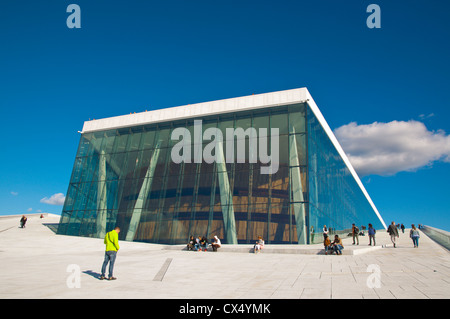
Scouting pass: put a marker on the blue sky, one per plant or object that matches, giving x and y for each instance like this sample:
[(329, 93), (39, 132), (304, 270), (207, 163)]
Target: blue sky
[(132, 56)]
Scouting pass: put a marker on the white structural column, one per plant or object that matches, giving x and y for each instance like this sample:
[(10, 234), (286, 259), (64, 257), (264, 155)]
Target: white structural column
[(143, 193), (226, 197), (101, 196), (297, 190)]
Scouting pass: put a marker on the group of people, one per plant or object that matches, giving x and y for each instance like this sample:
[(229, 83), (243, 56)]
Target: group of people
[(333, 247), (413, 234), (201, 243), (24, 219), (356, 233), (393, 230)]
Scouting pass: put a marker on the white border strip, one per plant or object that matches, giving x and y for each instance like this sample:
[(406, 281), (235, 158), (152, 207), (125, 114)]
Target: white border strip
[(200, 109)]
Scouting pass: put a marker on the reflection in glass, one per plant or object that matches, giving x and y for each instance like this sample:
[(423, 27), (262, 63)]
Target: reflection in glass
[(126, 177)]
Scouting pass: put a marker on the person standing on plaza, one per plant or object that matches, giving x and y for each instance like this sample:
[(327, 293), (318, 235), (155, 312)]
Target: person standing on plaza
[(371, 231), (355, 233), (325, 231), (393, 232), (112, 247), (414, 235), (403, 228)]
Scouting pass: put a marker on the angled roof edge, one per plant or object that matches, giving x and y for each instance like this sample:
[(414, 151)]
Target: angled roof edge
[(199, 109), (314, 108)]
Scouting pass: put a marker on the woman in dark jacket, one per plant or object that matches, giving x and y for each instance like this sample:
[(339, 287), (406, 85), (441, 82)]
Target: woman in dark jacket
[(204, 243), (23, 221)]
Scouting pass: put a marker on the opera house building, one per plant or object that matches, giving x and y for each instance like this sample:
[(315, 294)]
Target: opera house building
[(261, 165)]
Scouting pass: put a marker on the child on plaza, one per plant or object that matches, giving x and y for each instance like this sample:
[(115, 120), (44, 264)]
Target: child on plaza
[(327, 244), (258, 245)]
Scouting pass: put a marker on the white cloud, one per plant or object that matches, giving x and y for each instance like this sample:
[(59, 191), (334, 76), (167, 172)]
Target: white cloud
[(14, 193), (29, 209), (388, 148), (56, 199)]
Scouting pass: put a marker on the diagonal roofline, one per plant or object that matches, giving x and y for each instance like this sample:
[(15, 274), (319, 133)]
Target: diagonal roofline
[(341, 152)]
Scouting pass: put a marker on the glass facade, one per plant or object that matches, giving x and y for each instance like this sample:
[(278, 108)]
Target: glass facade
[(128, 177), (335, 199)]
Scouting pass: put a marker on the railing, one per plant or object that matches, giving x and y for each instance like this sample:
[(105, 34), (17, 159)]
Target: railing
[(440, 236)]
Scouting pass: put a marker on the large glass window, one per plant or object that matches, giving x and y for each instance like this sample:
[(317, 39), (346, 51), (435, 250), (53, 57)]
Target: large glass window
[(127, 177), (335, 199)]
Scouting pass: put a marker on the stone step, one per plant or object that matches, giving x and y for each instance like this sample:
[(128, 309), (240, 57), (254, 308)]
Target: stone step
[(283, 249)]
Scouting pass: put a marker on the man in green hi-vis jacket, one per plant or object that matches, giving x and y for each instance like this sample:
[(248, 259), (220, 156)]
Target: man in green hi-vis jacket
[(112, 246)]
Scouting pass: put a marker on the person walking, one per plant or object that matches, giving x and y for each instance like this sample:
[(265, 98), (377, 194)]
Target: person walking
[(414, 235), (112, 247), (355, 233), (23, 221), (402, 228), (393, 232), (371, 231)]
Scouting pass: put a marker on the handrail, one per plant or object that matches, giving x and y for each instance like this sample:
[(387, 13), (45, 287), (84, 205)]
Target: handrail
[(440, 236)]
